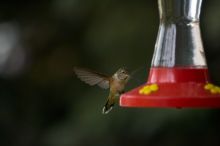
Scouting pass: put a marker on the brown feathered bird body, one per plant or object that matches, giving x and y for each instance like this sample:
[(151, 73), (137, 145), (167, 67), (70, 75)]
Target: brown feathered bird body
[(116, 83)]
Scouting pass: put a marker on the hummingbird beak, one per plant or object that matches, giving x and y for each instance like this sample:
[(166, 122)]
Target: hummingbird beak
[(126, 77)]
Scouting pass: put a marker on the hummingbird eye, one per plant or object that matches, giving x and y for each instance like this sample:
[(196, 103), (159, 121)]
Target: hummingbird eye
[(123, 71)]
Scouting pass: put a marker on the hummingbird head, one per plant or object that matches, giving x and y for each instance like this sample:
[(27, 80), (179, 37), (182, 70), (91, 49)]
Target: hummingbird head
[(122, 74)]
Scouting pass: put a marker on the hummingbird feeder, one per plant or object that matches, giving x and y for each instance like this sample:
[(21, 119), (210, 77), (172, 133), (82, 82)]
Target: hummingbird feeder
[(178, 75)]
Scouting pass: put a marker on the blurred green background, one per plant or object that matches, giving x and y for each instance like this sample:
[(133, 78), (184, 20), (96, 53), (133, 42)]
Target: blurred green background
[(42, 103)]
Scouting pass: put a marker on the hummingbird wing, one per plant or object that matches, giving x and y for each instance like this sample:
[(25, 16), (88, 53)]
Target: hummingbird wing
[(92, 78)]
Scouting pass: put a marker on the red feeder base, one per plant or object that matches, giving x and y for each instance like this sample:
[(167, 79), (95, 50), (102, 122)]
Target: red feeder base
[(174, 87)]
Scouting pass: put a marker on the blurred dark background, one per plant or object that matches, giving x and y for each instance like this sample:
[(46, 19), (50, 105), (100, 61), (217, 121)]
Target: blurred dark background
[(43, 104)]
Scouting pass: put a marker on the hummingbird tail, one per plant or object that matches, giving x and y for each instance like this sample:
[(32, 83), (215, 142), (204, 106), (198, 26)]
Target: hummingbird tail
[(108, 107)]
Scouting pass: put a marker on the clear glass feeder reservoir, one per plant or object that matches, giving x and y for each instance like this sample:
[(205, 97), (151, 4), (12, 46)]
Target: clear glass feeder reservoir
[(178, 76)]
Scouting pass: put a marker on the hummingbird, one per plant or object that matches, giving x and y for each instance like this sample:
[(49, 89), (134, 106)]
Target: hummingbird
[(115, 83)]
